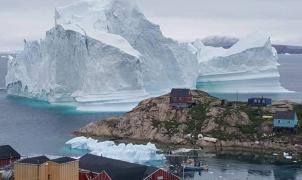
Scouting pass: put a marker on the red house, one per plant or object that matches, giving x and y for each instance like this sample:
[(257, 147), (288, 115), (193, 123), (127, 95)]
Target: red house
[(100, 168), (8, 155), (181, 98)]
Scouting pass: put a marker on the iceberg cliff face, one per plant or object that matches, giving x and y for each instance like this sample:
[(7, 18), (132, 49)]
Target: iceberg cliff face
[(249, 66), (68, 64), (164, 61), (99, 49), (105, 53)]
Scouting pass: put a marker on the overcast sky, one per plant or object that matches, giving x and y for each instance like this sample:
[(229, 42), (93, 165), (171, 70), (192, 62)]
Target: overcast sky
[(184, 20)]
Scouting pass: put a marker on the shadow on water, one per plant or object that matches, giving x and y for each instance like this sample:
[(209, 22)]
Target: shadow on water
[(289, 172)]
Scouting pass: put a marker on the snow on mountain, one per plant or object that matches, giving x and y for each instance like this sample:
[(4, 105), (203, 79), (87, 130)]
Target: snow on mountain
[(100, 48), (249, 66)]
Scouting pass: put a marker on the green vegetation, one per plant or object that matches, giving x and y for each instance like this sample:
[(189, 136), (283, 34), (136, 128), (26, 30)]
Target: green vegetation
[(255, 116), (171, 126), (197, 116), (221, 135), (248, 129)]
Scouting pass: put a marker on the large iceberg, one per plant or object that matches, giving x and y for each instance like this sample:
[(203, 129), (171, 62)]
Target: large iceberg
[(104, 55), (126, 152), (99, 49), (249, 66)]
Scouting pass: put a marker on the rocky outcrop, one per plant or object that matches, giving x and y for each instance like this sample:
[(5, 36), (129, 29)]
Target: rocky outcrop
[(236, 125)]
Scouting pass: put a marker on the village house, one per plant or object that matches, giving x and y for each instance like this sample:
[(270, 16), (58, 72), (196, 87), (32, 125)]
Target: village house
[(35, 168), (94, 167), (181, 98), (64, 168), (8, 155), (285, 121), (259, 102), (42, 168)]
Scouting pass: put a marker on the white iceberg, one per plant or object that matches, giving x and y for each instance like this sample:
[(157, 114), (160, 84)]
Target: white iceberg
[(99, 49), (249, 66), (104, 55), (126, 152)]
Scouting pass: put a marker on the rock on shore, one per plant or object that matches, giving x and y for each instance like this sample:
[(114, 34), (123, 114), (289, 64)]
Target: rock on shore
[(233, 124)]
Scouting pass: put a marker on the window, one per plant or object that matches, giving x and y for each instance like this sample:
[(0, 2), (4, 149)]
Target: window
[(160, 177), (288, 121)]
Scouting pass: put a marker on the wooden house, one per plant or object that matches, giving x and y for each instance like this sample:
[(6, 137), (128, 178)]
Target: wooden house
[(259, 102), (64, 168), (41, 168), (181, 98), (100, 168), (35, 168), (285, 120), (8, 155)]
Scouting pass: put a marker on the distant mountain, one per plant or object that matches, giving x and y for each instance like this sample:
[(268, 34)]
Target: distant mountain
[(227, 42), (283, 49)]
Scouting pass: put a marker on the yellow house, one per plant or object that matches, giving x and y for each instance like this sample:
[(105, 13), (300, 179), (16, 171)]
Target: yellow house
[(35, 168), (41, 168), (64, 168)]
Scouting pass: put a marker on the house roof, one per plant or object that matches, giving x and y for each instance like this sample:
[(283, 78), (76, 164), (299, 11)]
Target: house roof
[(116, 169), (289, 115), (7, 152), (63, 160), (180, 92), (35, 160)]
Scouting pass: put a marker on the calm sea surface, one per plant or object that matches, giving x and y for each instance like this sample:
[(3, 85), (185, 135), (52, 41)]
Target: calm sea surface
[(34, 128)]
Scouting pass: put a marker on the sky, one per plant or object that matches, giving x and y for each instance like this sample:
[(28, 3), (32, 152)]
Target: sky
[(183, 20)]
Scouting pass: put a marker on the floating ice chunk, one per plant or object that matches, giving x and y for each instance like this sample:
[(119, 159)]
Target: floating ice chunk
[(181, 150), (126, 152)]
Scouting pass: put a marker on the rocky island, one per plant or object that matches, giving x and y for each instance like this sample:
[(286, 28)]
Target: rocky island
[(226, 124)]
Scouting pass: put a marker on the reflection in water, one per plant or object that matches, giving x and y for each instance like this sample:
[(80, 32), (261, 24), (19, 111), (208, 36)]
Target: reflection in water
[(235, 167), (288, 172), (260, 172)]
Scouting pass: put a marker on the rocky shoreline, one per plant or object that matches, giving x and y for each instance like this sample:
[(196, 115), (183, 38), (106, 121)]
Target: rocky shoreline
[(233, 124)]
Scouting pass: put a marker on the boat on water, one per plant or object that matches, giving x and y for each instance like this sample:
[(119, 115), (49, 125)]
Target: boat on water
[(195, 168), (191, 166)]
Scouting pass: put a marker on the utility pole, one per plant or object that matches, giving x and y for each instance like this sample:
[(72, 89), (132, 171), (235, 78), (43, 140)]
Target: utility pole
[(236, 99)]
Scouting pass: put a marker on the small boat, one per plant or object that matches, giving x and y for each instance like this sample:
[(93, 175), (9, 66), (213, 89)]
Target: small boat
[(193, 167)]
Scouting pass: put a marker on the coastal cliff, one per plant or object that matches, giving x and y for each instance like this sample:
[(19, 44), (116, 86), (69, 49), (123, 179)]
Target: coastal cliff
[(233, 124)]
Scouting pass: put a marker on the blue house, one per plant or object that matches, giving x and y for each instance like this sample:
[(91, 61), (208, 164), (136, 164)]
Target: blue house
[(285, 120), (260, 101)]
